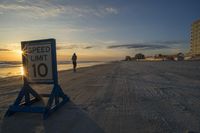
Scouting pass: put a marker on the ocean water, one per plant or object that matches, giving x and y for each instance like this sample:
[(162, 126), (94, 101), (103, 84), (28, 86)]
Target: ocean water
[(8, 69)]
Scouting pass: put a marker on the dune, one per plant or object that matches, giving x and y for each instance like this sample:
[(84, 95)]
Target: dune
[(119, 97)]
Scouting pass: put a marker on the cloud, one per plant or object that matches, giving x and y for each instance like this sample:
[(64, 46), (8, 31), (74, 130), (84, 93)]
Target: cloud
[(84, 29), (4, 50), (82, 11), (151, 45), (111, 10), (88, 47), (179, 42), (139, 46), (63, 46), (43, 9), (106, 41), (33, 9), (67, 47)]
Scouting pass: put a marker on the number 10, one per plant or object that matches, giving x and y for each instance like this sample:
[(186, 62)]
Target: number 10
[(37, 70)]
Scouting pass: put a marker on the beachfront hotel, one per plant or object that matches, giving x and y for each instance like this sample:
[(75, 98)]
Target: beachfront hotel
[(195, 39)]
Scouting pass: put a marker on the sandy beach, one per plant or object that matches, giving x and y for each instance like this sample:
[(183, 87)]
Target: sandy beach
[(119, 97)]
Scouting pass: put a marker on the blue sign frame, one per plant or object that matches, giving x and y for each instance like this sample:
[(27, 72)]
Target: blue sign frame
[(27, 96)]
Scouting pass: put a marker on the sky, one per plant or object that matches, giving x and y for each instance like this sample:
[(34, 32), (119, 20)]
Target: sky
[(98, 30)]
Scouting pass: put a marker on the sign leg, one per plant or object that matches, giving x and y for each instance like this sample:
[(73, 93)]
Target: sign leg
[(23, 99), (56, 95)]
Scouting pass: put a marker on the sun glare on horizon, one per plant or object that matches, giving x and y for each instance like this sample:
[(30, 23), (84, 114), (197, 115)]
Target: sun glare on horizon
[(20, 52)]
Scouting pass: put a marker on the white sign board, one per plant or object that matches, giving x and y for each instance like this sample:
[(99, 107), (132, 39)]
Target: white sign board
[(38, 61)]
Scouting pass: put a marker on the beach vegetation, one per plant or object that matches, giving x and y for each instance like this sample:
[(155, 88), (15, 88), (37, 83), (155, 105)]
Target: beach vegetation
[(139, 56)]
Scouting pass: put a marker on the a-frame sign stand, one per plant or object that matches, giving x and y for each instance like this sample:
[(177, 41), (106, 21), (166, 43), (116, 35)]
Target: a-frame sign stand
[(40, 66)]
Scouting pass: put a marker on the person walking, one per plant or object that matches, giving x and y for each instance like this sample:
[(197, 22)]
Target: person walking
[(74, 58)]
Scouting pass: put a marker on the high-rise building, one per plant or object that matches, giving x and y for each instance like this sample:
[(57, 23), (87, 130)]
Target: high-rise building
[(195, 39)]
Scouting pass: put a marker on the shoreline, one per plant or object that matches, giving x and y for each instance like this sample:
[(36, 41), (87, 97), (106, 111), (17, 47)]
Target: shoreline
[(16, 76)]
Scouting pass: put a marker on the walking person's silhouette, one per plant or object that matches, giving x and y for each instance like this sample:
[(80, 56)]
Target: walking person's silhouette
[(74, 58)]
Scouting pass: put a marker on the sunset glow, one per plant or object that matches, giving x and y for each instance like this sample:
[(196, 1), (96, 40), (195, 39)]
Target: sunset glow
[(96, 30), (19, 52)]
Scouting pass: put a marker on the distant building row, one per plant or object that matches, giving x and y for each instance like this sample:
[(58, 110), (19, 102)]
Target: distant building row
[(159, 57)]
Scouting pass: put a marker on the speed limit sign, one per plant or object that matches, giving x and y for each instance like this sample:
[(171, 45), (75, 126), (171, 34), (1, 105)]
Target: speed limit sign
[(40, 67), (39, 61)]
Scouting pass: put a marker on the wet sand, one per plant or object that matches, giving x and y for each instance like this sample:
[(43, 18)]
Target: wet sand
[(120, 97)]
